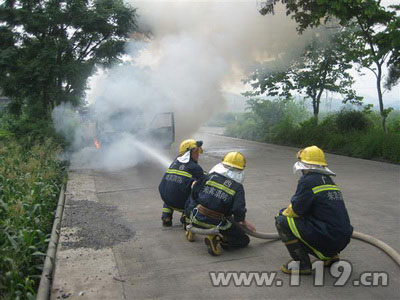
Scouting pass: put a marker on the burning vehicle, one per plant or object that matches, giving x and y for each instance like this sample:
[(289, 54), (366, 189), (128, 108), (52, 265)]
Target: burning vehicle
[(107, 131)]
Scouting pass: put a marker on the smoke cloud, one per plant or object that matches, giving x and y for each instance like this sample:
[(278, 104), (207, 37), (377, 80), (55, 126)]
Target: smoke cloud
[(195, 52)]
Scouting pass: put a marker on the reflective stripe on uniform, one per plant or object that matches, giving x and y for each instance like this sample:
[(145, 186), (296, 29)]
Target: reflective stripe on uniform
[(179, 172), (325, 187), (167, 210), (293, 228), (221, 187), (206, 225), (177, 209), (209, 226)]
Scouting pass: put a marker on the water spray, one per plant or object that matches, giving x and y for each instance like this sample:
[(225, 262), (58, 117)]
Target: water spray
[(161, 159)]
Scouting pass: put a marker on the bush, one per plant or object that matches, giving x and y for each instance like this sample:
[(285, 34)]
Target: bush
[(247, 127), (347, 132), (307, 133), (27, 131), (393, 121), (269, 120), (391, 146), (283, 132), (349, 120), (223, 119), (395, 126), (30, 180)]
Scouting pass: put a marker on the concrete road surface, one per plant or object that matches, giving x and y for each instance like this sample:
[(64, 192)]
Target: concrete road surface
[(114, 247)]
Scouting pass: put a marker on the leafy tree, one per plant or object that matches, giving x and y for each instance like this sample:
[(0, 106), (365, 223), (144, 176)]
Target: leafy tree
[(48, 49), (323, 66), (269, 112), (393, 31), (377, 32)]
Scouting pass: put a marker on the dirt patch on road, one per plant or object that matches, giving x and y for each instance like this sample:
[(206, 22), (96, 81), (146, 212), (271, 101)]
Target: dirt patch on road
[(97, 225)]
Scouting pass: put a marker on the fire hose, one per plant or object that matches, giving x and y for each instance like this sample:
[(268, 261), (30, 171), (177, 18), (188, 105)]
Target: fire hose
[(392, 253)]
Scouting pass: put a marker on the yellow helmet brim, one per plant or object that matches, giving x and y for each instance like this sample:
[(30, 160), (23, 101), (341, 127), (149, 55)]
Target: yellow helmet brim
[(233, 165)]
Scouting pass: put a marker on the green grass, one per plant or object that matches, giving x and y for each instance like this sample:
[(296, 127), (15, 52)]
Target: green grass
[(30, 181), (4, 133)]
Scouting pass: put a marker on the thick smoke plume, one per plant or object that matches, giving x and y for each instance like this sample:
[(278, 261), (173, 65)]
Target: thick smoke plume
[(195, 50)]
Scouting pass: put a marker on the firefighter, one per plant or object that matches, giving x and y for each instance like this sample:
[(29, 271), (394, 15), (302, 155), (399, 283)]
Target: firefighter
[(316, 221), (215, 199), (175, 186)]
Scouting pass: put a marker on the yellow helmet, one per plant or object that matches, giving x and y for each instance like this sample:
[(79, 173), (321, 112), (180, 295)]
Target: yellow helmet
[(312, 155), (189, 145), (235, 159)]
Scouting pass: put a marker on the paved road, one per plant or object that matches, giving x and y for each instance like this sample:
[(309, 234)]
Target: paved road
[(113, 246)]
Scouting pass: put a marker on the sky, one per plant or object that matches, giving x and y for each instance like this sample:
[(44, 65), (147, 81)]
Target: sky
[(366, 87)]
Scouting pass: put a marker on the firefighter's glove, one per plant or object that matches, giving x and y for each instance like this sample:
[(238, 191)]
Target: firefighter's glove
[(288, 212)]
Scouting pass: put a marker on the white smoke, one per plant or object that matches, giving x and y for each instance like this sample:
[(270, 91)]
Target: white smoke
[(68, 123), (197, 50)]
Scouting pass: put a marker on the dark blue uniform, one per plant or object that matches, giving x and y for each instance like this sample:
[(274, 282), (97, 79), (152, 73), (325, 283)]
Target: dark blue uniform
[(225, 196), (175, 186), (323, 224)]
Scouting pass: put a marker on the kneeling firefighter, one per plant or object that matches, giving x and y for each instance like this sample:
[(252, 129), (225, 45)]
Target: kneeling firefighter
[(175, 186), (215, 199), (316, 222)]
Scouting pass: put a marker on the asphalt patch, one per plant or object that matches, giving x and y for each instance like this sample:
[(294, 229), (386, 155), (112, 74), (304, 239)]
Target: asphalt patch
[(98, 225)]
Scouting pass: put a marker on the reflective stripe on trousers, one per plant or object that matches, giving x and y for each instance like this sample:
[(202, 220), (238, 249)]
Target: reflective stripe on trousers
[(294, 230)]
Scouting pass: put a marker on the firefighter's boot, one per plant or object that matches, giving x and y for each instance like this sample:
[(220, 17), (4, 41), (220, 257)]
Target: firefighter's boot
[(224, 243), (166, 222), (189, 236), (166, 216), (300, 255), (213, 242), (330, 261)]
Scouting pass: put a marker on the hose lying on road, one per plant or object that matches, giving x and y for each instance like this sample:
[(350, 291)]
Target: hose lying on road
[(274, 236), (379, 244), (215, 230)]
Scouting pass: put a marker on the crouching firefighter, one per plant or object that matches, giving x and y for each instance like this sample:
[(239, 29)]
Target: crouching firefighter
[(175, 186), (316, 221), (215, 199)]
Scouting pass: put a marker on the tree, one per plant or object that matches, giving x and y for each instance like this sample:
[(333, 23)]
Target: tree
[(48, 49), (377, 30), (393, 31), (323, 66)]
